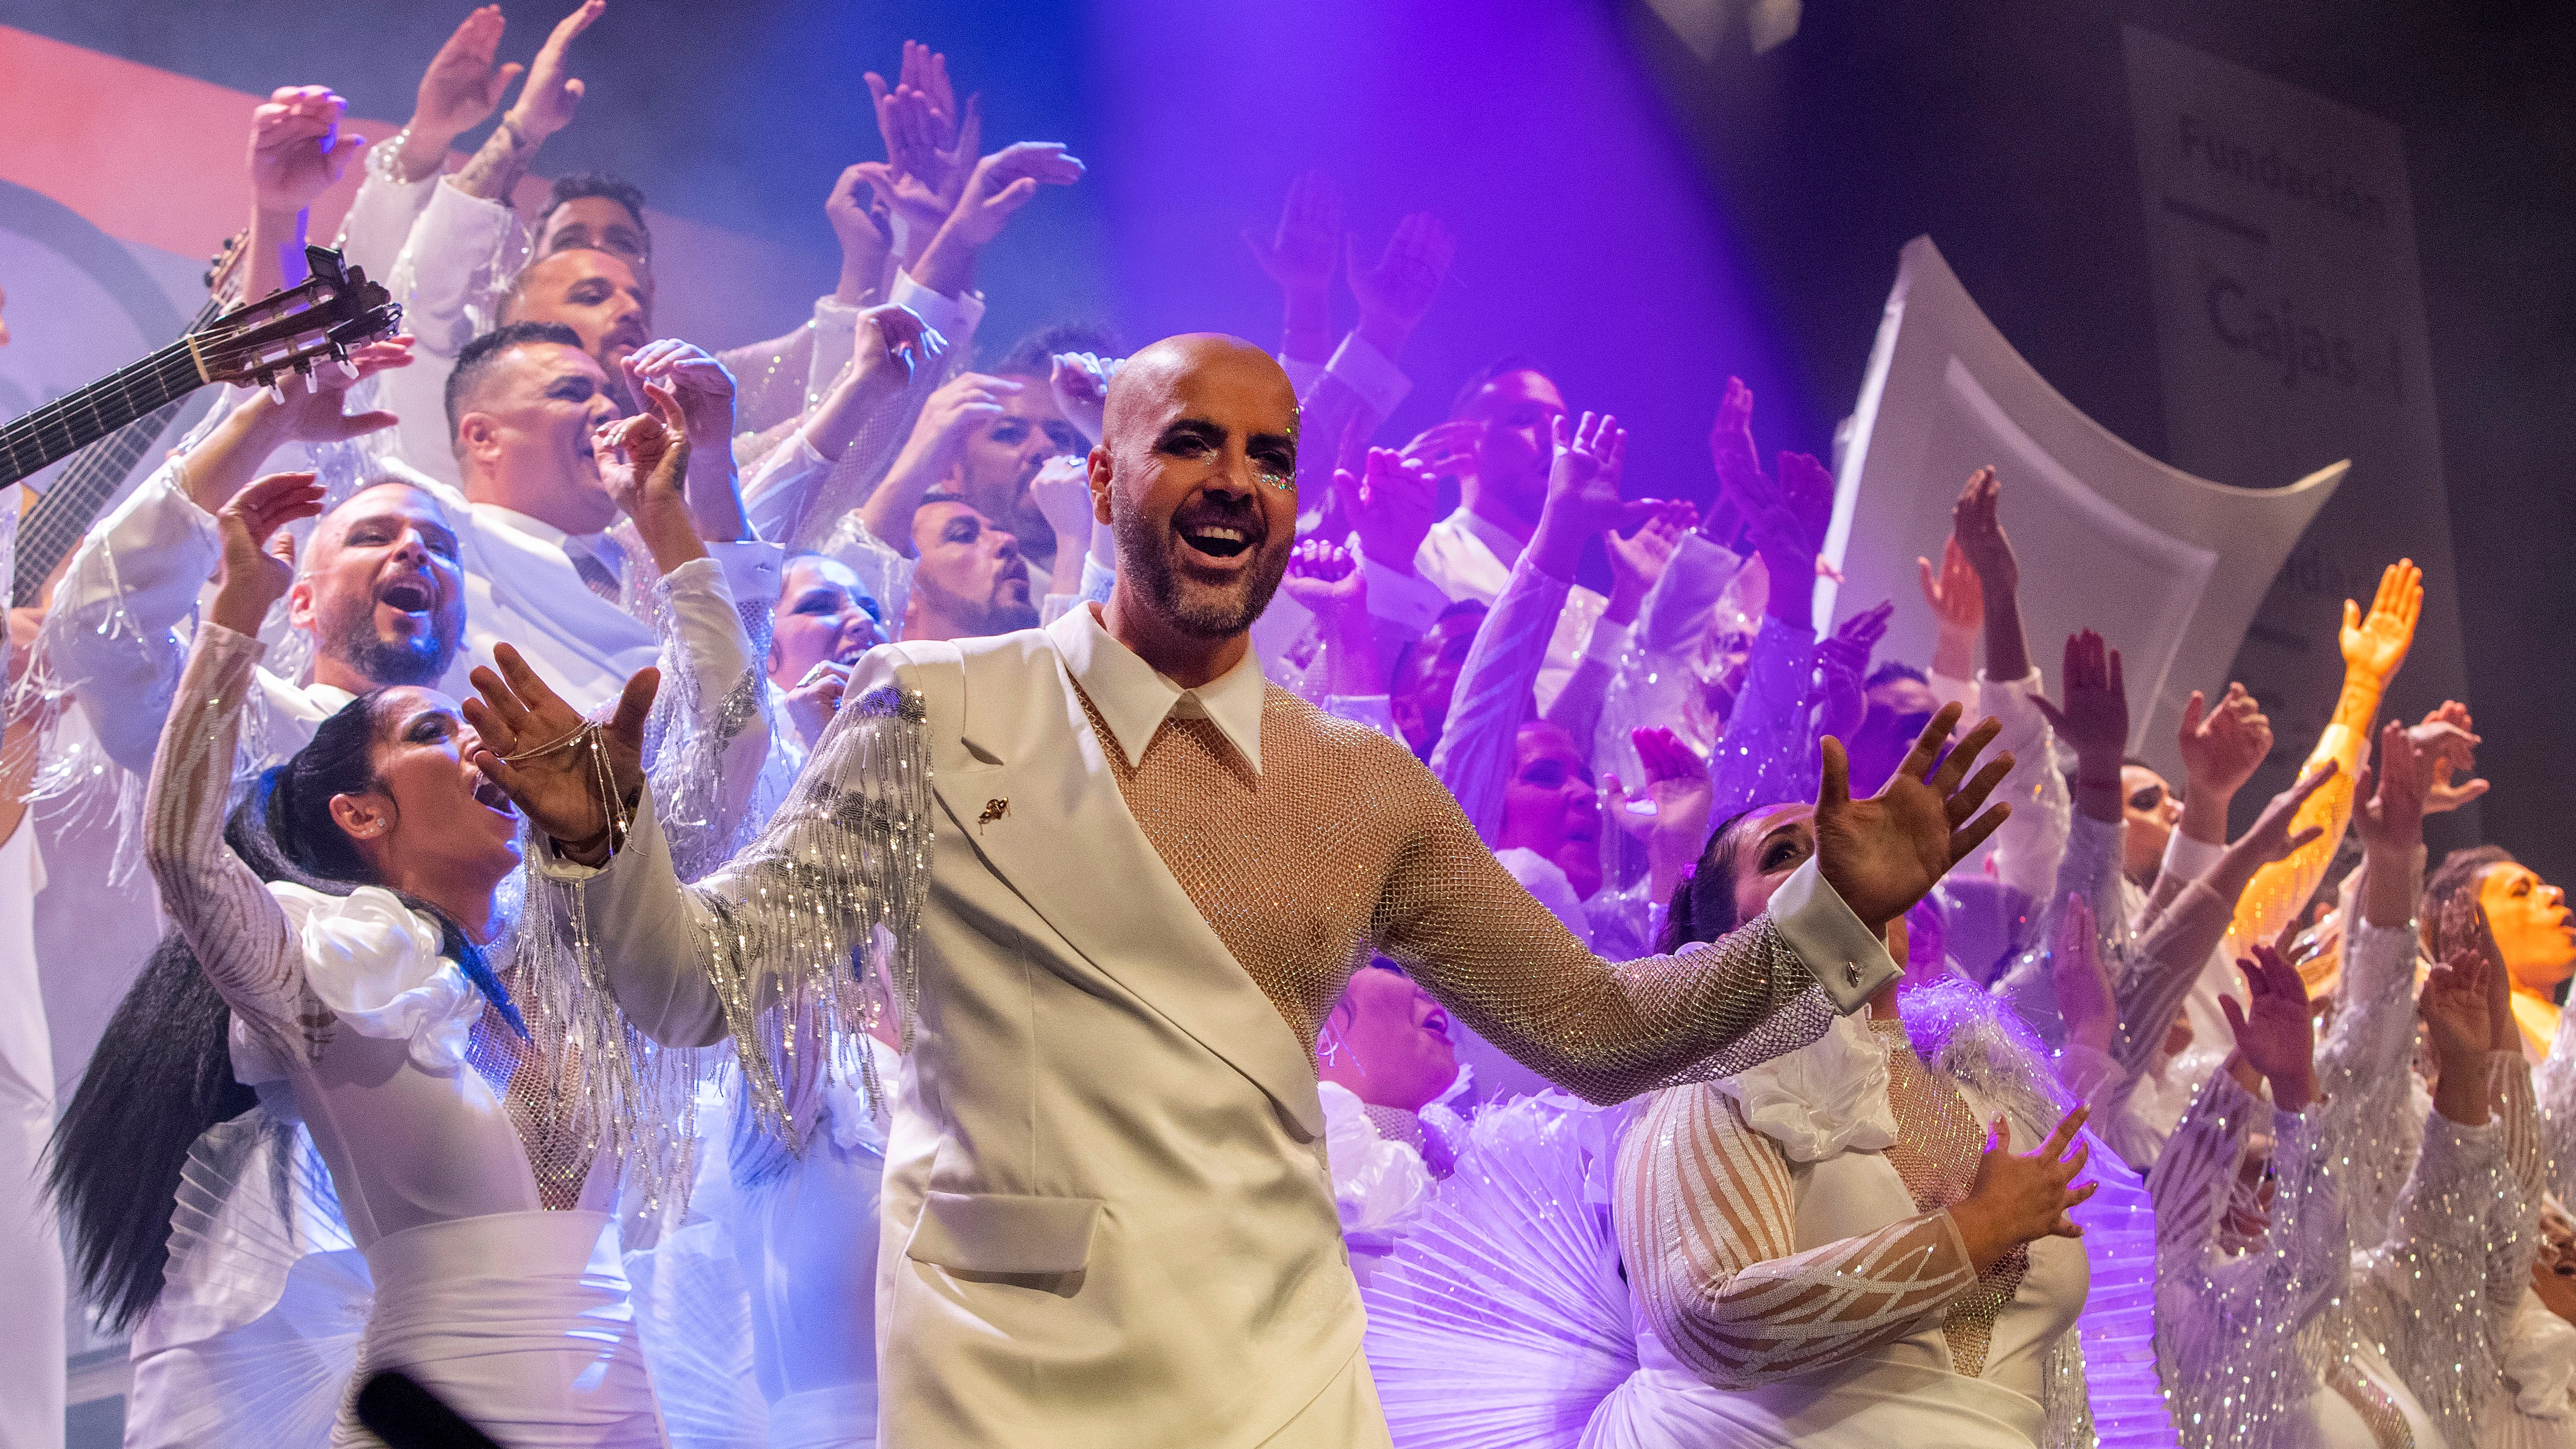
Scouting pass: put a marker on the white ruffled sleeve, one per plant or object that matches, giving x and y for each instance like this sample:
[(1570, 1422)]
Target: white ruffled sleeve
[(1377, 1183), (376, 964)]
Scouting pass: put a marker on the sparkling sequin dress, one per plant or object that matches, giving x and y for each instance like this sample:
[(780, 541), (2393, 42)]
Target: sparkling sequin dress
[(483, 1217)]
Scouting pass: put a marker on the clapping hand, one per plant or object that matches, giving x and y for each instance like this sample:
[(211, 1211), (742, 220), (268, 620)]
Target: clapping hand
[(1080, 381), (2389, 796), (296, 149), (1447, 450), (1005, 181), (1883, 854), (930, 144), (1395, 294), (462, 86), (1638, 560), (2451, 748), (2275, 1032), (2223, 746), (1299, 255), (258, 559), (894, 343), (1328, 579), (1391, 505), (645, 458), (1786, 515), (1957, 602), (2094, 721), (2085, 1000), (547, 102), (701, 385), (1583, 482)]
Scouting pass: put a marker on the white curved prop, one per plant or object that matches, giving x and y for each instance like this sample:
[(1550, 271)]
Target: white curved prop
[(2168, 567)]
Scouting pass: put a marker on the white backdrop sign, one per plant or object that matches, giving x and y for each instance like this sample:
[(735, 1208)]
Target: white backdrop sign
[(2290, 332)]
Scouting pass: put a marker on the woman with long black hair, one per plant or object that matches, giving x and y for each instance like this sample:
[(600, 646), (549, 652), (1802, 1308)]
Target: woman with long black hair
[(350, 921)]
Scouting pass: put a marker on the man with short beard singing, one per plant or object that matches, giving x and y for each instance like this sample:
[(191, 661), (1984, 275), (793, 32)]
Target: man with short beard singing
[(1150, 875)]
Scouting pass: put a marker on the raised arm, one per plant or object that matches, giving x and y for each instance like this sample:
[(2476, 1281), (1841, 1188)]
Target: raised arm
[(2374, 645), (461, 87), (296, 152), (236, 928), (1703, 1209), (1499, 961), (2031, 844)]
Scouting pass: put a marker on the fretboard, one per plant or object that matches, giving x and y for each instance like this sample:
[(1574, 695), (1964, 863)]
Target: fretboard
[(60, 519), (69, 423)]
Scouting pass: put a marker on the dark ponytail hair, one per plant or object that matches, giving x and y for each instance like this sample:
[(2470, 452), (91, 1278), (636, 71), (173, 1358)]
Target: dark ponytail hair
[(1703, 905), (162, 1073)]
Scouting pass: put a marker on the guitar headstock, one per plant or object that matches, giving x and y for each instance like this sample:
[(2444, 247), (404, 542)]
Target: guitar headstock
[(319, 320)]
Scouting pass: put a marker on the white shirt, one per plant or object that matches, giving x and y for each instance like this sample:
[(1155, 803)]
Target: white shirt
[(1134, 699), (1468, 556)]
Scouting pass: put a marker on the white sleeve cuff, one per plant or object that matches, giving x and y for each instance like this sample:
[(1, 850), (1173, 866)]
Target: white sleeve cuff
[(955, 317), (1848, 961), (2189, 859), (831, 313), (1302, 374), (1371, 374), (751, 568), (1408, 601)]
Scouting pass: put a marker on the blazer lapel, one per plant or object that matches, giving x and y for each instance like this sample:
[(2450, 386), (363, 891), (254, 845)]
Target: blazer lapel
[(1049, 820)]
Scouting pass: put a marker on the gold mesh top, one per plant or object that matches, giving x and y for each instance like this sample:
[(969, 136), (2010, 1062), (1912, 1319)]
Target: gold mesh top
[(1341, 842), (1938, 1143)]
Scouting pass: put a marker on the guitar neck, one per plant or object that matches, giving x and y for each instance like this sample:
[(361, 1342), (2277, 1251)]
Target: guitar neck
[(48, 532), (71, 422)]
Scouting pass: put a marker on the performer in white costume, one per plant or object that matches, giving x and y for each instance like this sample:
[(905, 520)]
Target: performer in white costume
[(1150, 876), (483, 1214)]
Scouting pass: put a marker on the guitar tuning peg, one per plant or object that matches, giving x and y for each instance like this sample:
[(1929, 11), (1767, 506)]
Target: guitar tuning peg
[(276, 390), (312, 384), (348, 369)]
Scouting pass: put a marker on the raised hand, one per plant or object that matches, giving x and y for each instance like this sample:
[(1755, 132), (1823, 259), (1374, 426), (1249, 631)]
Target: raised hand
[(2275, 1032), (461, 87), (1883, 854), (1300, 252), (2269, 838), (816, 698), (1842, 661), (1081, 385), (1062, 492), (296, 149), (2223, 746), (2085, 1001), (702, 385), (2375, 644), (1976, 521), (2094, 721), (894, 343), (259, 561), (2450, 747), (864, 224), (1004, 182), (1583, 482), (647, 455), (930, 144), (1391, 504), (555, 780), (958, 405), (1671, 812), (2389, 796), (552, 94), (2017, 1200), (1395, 294), (1958, 604), (2454, 1006), (1638, 560), (1327, 578)]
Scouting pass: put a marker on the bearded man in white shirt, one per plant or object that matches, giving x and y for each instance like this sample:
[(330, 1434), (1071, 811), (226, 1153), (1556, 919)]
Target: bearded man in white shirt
[(1150, 876)]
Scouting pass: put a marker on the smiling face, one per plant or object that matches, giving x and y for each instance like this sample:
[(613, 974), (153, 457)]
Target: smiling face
[(2529, 918), (595, 294), (821, 619), (1388, 1042), (2150, 809), (430, 824), (971, 581), (1197, 476), (1002, 456), (524, 441), (1520, 411), (1550, 805), (382, 591)]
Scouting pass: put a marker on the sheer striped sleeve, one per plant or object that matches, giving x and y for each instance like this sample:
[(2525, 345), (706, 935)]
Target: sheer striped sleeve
[(1704, 1210)]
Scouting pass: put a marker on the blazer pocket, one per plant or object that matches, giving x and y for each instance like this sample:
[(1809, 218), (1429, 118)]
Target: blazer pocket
[(996, 1233)]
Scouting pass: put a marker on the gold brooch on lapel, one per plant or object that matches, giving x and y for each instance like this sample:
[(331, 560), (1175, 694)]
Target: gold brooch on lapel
[(993, 810)]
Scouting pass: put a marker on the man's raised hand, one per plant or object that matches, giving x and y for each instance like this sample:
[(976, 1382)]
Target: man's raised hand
[(552, 94), (1883, 854), (2274, 1030), (1300, 253), (297, 150), (459, 90), (1395, 294), (1391, 504), (258, 561)]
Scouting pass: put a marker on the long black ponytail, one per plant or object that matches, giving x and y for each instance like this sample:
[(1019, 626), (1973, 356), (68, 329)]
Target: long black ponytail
[(162, 1073)]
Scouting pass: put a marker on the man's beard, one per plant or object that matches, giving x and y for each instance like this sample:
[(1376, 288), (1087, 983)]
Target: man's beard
[(421, 660), (1145, 552)]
